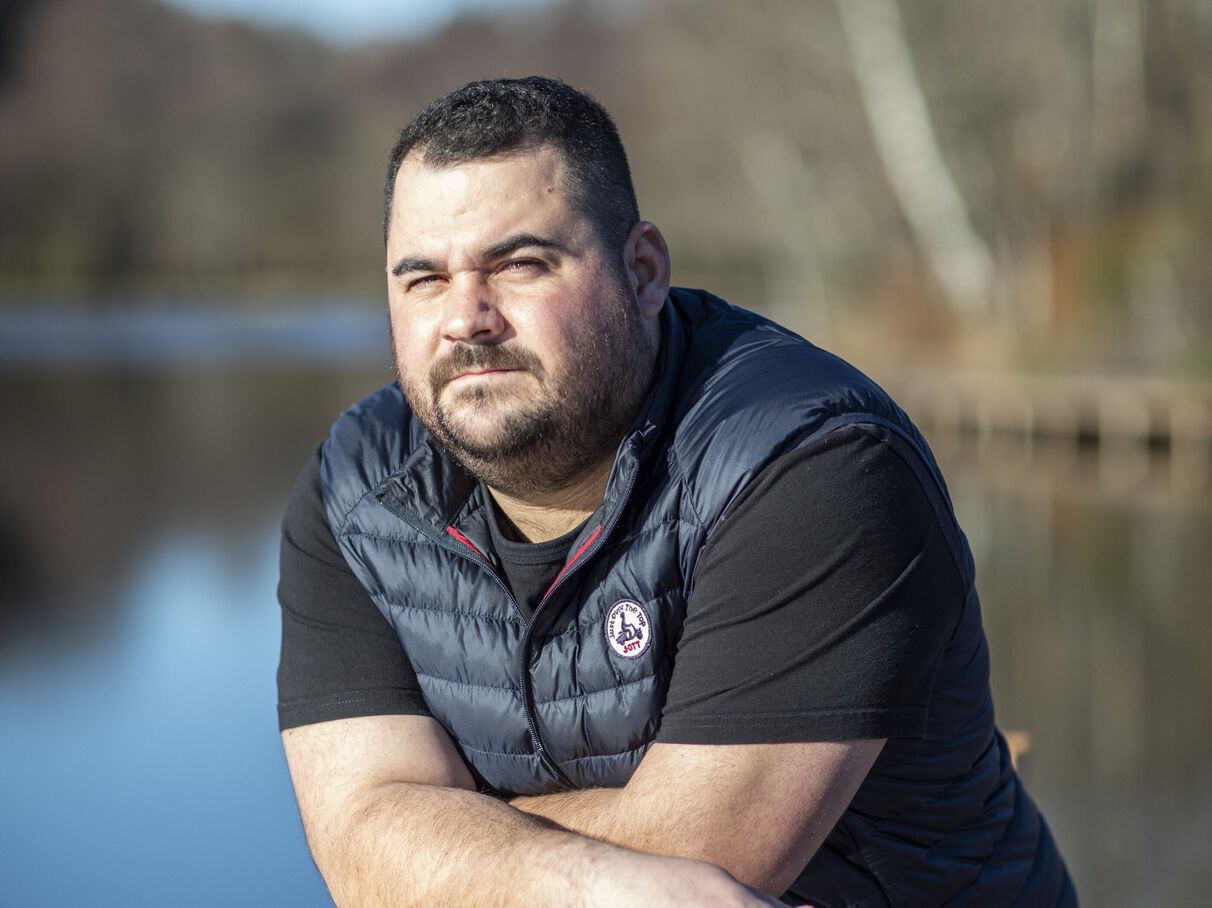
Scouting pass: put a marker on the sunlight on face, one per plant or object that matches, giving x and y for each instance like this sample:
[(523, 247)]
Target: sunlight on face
[(519, 344)]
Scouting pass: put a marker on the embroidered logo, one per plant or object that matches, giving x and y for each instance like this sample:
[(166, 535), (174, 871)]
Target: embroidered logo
[(628, 630)]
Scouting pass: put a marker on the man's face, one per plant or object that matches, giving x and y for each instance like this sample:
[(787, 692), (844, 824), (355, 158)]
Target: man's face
[(518, 342)]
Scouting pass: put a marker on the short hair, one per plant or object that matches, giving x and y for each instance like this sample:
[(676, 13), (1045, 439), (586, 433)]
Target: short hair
[(496, 116)]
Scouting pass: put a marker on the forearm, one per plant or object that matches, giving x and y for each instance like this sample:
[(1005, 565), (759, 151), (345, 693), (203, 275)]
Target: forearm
[(603, 814), (409, 844), (678, 827), (412, 844), (758, 811)]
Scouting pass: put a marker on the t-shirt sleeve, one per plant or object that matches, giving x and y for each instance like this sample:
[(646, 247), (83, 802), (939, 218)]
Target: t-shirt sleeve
[(340, 657), (821, 606)]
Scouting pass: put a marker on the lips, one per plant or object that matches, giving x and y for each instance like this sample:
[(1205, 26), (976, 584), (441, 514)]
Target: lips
[(478, 372), (468, 362)]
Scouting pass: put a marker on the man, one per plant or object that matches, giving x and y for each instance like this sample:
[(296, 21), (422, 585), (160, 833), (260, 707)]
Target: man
[(625, 596)]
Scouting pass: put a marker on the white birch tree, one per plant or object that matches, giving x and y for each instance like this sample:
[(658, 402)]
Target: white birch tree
[(909, 151)]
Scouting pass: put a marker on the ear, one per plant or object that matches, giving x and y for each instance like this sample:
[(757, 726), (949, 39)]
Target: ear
[(648, 267)]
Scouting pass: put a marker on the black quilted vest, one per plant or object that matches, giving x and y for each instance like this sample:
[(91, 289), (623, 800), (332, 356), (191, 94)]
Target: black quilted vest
[(550, 704)]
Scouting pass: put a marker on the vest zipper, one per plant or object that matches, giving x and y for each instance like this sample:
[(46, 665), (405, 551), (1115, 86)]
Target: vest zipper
[(536, 739), (524, 662), (463, 551)]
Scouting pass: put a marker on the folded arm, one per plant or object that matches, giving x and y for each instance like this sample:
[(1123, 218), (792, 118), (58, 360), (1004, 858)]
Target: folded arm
[(760, 811), (392, 819)]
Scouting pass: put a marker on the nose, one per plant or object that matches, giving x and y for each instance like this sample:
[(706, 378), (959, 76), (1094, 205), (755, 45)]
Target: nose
[(471, 312)]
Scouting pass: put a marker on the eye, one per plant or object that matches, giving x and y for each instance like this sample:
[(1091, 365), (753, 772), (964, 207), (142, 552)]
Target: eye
[(424, 282), (524, 266)]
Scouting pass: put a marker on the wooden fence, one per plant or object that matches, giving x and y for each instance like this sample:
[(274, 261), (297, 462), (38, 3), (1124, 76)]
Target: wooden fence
[(1086, 410)]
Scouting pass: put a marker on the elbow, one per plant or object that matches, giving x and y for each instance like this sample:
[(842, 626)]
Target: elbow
[(771, 878), (764, 864), (337, 838)]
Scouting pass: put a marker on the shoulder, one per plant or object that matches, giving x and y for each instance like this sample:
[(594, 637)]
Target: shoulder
[(751, 391), (368, 443), (844, 483)]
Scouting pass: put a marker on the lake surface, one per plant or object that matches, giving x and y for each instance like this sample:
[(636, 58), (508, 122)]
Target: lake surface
[(139, 757)]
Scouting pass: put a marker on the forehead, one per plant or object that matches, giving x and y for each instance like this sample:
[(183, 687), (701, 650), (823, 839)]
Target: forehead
[(478, 198)]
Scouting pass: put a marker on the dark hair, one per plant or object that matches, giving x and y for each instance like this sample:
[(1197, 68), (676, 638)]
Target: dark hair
[(495, 116)]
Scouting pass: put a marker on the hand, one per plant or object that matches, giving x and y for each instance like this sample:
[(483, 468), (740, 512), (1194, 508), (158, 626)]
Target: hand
[(648, 881)]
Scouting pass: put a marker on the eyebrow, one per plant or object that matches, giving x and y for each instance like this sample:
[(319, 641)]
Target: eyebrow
[(414, 264), (522, 241), (506, 247)]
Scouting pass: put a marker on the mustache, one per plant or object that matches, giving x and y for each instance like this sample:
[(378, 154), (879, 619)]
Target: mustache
[(466, 357)]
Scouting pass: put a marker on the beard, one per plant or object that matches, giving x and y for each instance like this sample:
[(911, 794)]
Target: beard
[(524, 442)]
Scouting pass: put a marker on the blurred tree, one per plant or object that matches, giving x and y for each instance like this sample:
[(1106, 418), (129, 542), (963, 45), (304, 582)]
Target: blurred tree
[(904, 136), (1044, 163)]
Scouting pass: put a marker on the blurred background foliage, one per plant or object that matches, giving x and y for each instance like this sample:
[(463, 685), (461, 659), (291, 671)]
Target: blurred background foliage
[(150, 154)]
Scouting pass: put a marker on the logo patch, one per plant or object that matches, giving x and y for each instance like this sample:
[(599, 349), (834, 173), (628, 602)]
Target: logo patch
[(628, 630)]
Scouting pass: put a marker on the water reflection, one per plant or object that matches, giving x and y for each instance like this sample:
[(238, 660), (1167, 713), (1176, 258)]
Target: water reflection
[(144, 767), (1094, 576), (97, 464), (139, 760)]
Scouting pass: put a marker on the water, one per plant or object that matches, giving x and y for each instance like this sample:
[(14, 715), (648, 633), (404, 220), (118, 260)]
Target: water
[(144, 768), (1095, 580), (139, 757), (140, 762), (325, 333)]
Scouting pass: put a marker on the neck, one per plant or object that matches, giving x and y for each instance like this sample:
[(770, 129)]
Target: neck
[(548, 515)]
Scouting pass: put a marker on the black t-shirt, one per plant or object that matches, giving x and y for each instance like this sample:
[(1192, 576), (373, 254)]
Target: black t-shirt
[(530, 568), (821, 607)]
